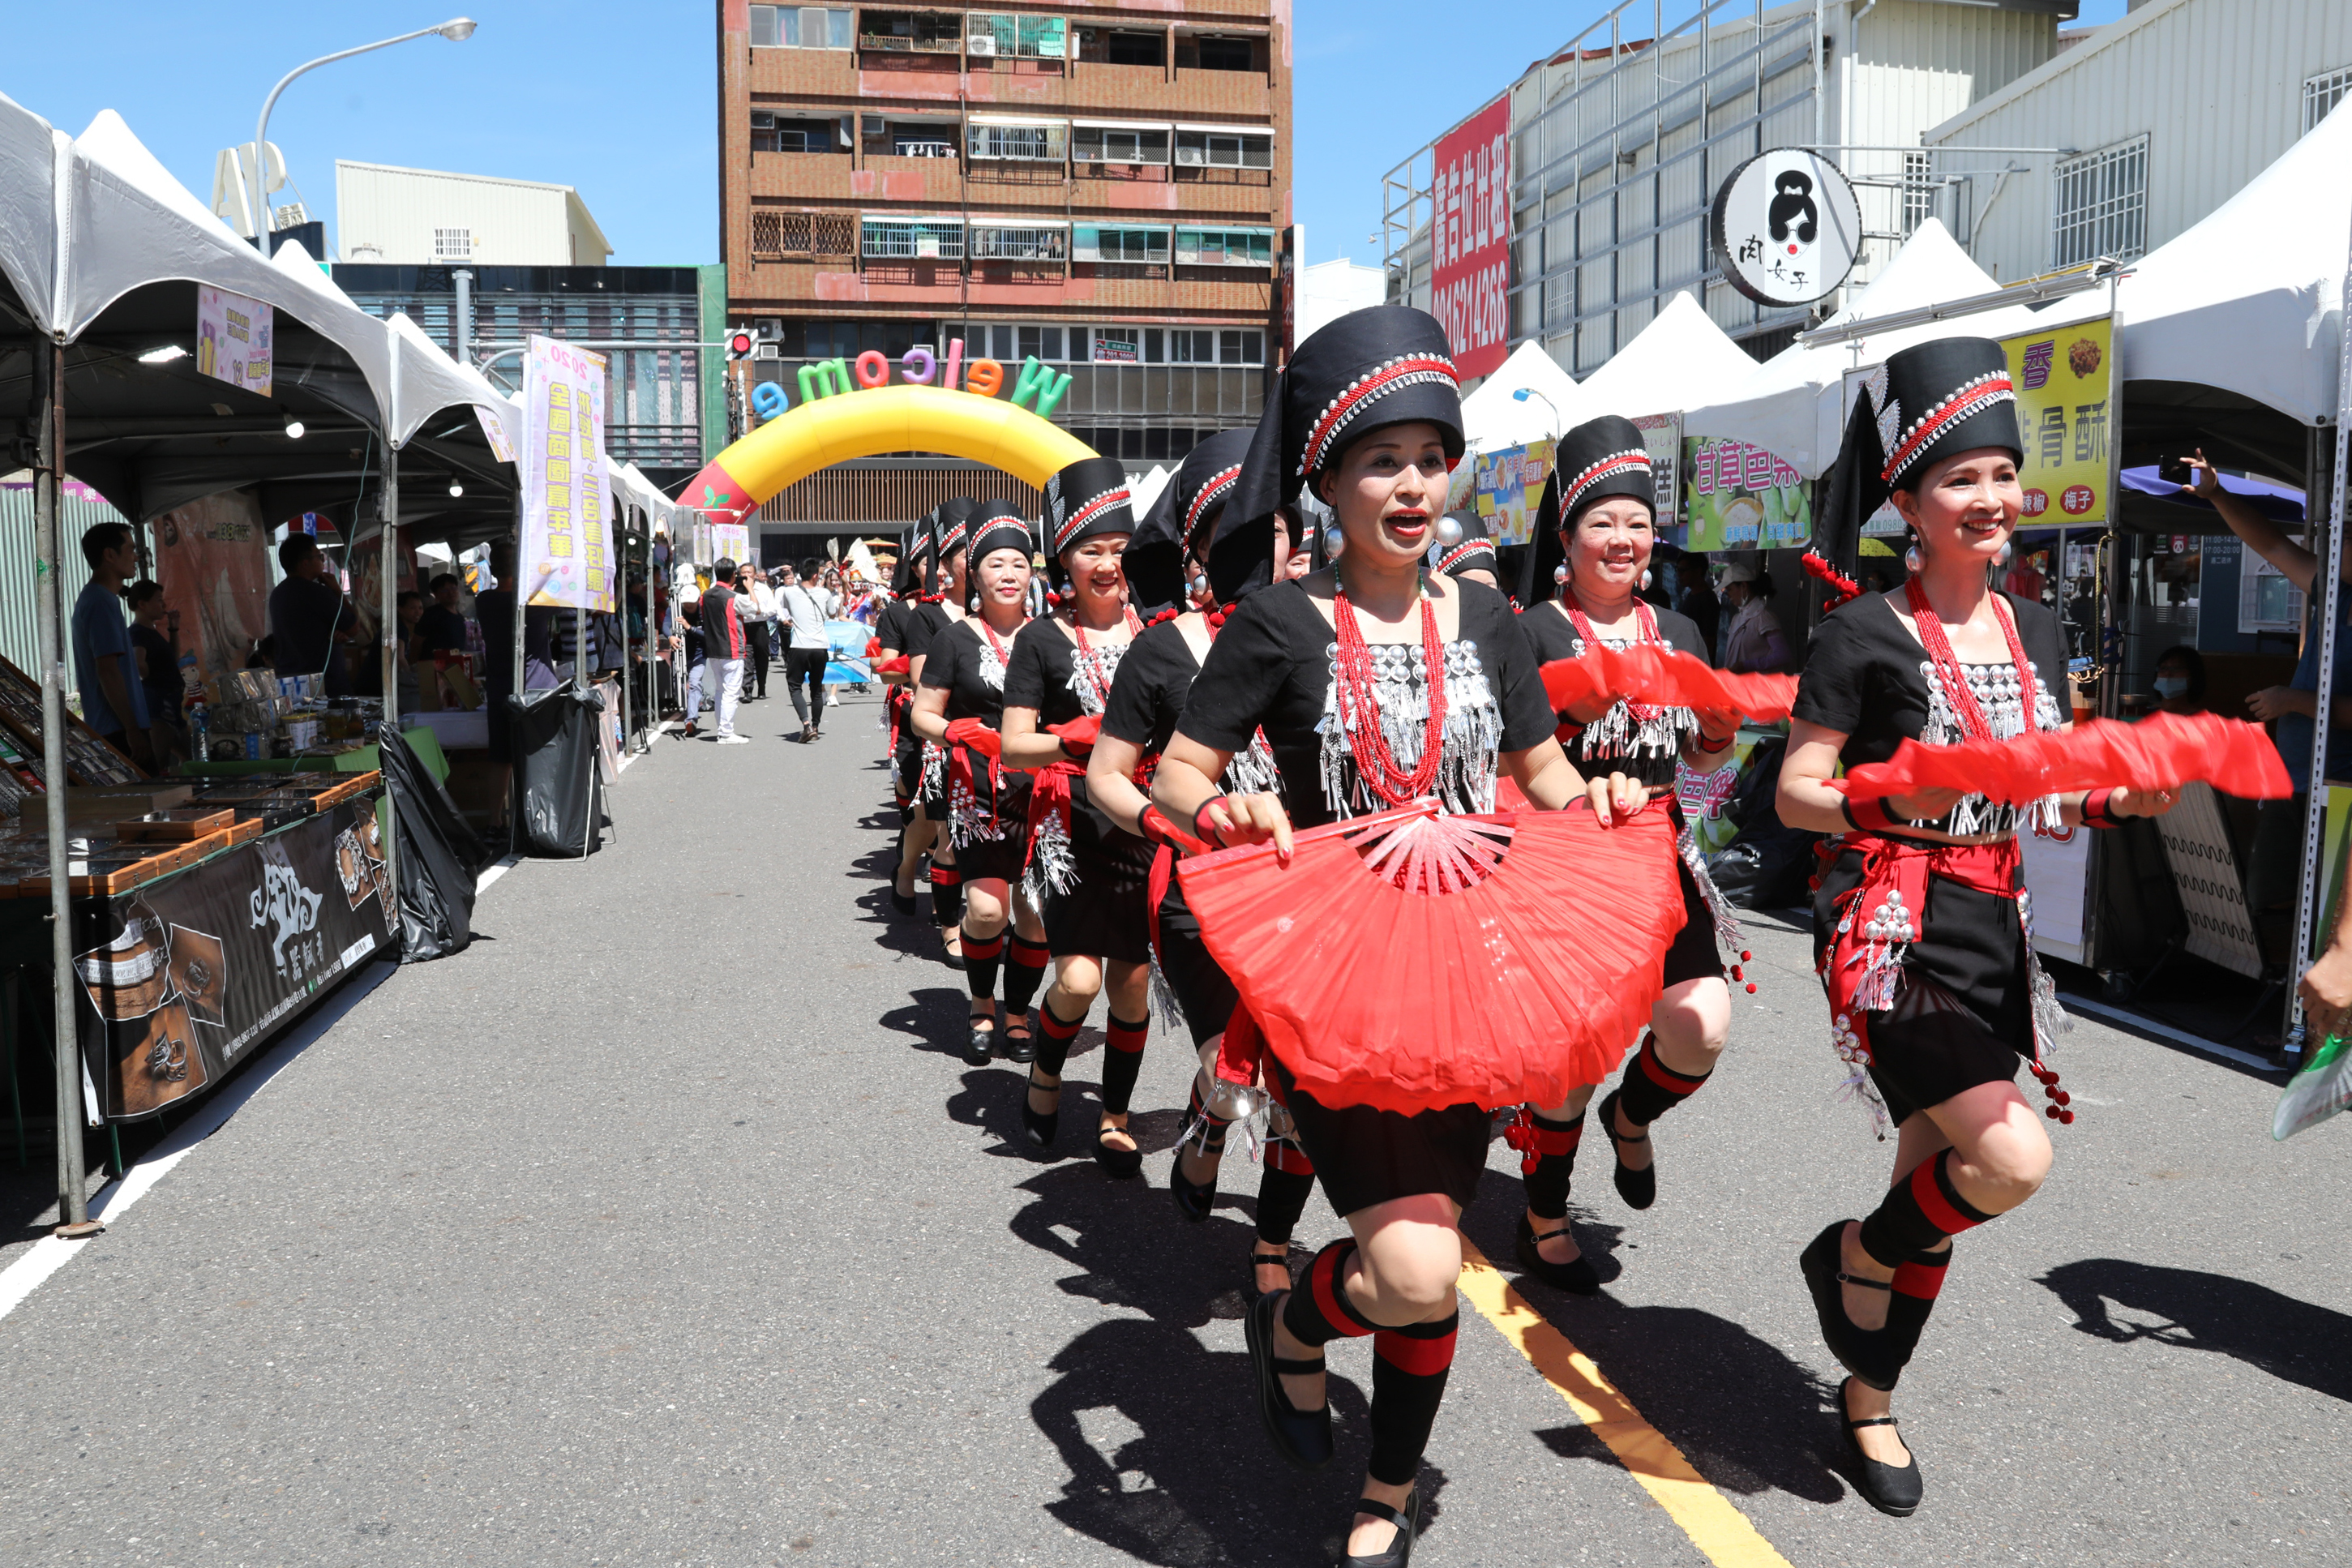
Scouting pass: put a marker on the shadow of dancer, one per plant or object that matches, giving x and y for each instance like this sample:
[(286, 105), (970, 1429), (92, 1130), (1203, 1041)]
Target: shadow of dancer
[(1166, 1464), (2292, 1340)]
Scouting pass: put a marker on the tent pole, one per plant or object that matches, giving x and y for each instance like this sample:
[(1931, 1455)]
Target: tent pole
[(621, 600), (514, 774), (73, 1195), (388, 610)]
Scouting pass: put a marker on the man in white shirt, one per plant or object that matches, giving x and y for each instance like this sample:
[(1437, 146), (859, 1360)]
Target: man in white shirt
[(757, 602), (805, 608)]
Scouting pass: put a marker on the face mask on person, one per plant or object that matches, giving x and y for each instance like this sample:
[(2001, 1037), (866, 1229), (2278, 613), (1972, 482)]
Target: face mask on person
[(2169, 686)]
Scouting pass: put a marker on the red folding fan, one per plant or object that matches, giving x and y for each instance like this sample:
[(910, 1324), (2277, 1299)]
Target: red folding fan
[(2163, 750), (1659, 677), (1410, 960)]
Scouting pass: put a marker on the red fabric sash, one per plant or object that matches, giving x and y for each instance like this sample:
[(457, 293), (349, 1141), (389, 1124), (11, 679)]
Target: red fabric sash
[(960, 770), (1049, 798)]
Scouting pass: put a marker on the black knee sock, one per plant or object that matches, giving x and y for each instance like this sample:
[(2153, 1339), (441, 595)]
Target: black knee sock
[(1651, 1087), (981, 962), (1547, 1160), (1122, 1060), (1919, 1211), (1025, 970), (1408, 1371), (1054, 1037), (1318, 1310), (947, 896), (1917, 1281), (1283, 1190)]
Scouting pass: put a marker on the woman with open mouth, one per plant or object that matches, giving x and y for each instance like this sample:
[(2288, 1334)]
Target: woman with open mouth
[(1921, 927), (1595, 530), (1087, 873), (961, 709), (1378, 683)]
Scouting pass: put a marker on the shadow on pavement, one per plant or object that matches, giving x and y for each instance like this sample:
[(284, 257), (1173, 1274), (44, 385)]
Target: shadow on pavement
[(1165, 1458), (2293, 1341)]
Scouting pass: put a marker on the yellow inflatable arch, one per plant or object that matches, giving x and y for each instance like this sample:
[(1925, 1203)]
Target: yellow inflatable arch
[(823, 431)]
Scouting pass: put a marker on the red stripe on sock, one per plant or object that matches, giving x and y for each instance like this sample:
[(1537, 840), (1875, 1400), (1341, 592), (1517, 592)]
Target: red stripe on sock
[(1128, 1037), (974, 947), (1679, 1084), (1323, 1277), (1030, 954), (1932, 1203), (1921, 1281), (946, 876), (1055, 1028), (1422, 1358), (1288, 1158)]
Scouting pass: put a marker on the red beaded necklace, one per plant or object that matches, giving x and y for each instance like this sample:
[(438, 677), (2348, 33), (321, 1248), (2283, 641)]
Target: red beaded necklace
[(1003, 655), (1090, 658), (1645, 624), (1958, 696), (1375, 764)]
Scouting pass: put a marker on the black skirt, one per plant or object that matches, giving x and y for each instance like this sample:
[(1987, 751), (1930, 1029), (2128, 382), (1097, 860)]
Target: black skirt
[(1365, 1156), (908, 763), (1108, 913), (1693, 955), (1198, 981), (1963, 1014)]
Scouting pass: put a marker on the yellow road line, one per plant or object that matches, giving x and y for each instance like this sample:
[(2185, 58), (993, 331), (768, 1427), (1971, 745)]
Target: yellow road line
[(1714, 1526)]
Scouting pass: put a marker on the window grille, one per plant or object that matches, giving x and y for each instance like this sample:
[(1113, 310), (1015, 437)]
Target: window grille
[(1029, 143), (1107, 144), (2323, 92), (801, 27), (1021, 37), (1224, 247), (1020, 245), (890, 241), (453, 245), (1142, 246), (2101, 204), (1216, 150), (1919, 193)]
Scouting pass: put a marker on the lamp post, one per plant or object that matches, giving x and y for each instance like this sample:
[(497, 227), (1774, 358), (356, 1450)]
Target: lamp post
[(456, 30), (1523, 393)]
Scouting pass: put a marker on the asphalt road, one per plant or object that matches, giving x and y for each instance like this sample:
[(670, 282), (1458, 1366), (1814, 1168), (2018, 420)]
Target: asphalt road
[(665, 1225)]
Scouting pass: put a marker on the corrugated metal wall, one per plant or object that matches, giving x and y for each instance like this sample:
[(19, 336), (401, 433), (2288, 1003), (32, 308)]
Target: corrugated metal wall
[(2215, 85), (19, 640), (396, 211)]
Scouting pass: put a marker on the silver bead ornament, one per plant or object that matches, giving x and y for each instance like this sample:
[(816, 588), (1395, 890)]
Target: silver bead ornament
[(1334, 541), (1449, 533), (1913, 561), (1560, 575), (1645, 579)]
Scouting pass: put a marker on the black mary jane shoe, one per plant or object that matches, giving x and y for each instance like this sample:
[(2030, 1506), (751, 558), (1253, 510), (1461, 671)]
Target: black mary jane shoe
[(1576, 1275), (1638, 1188), (1040, 1126), (1118, 1164), (1301, 1437), (1250, 1291), (1893, 1490), (1020, 1043), (950, 956), (1870, 1354), (1193, 1199), (1399, 1551), (980, 1045)]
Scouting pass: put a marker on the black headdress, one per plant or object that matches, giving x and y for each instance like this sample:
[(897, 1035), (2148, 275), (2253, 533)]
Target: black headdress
[(1925, 403), (1386, 364), (1086, 498), (1475, 552), (1600, 459), (993, 526), (1180, 520), (914, 556)]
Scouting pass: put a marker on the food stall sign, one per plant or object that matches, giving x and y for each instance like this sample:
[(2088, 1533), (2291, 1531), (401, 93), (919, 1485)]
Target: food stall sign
[(1736, 496), (1786, 227), (2066, 412), (1509, 487)]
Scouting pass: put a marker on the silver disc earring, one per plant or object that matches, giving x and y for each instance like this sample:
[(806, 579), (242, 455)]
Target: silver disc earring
[(1645, 579), (2006, 551), (1559, 574), (1913, 561), (1334, 541)]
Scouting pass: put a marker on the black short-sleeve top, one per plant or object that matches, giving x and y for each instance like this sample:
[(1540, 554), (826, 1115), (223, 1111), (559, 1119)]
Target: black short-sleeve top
[(1147, 705), (1867, 677), (925, 621), (963, 663), (1646, 750), (1274, 665), (1046, 673), (891, 626)]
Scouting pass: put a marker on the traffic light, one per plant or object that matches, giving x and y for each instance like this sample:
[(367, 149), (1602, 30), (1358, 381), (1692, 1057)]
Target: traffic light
[(738, 343)]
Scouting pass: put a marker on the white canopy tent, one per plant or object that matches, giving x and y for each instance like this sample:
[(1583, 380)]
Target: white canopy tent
[(1493, 418), (1681, 353)]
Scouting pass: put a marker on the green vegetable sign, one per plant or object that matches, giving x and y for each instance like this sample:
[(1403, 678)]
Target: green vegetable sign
[(1740, 497)]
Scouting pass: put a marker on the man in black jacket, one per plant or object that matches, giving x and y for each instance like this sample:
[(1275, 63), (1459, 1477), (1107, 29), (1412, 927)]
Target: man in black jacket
[(724, 646)]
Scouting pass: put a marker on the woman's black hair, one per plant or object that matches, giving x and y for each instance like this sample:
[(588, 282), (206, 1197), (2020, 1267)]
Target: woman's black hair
[(141, 591), (2193, 659), (1762, 586)]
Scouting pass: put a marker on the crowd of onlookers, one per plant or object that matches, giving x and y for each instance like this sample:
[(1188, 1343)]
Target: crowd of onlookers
[(750, 618)]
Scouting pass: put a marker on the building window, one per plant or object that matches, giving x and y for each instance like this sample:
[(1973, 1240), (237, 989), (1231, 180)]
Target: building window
[(771, 134), (800, 27), (1215, 54), (1918, 195), (1128, 48), (1020, 144), (1189, 345), (2323, 92), (1118, 145), (1142, 246), (453, 245), (1219, 150), (922, 239), (994, 243), (1015, 38), (1225, 246), (912, 32), (2102, 205)]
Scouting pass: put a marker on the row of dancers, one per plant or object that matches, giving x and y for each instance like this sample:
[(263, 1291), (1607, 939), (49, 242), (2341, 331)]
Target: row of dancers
[(1188, 690)]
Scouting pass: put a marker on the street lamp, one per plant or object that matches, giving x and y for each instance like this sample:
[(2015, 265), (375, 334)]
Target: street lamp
[(1523, 393), (456, 30)]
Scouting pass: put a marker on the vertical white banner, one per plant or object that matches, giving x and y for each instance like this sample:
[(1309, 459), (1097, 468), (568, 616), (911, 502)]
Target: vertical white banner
[(234, 339), (567, 526)]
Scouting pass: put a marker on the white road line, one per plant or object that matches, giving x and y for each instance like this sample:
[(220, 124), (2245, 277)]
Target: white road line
[(48, 1255), (493, 871)]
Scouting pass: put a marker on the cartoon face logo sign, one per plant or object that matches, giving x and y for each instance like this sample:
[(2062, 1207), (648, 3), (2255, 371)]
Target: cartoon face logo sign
[(1793, 219), (283, 901), (1786, 227)]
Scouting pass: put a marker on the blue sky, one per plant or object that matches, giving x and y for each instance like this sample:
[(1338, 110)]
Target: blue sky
[(618, 97)]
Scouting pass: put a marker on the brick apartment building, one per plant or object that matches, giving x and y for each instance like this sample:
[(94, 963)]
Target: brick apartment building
[(1102, 188)]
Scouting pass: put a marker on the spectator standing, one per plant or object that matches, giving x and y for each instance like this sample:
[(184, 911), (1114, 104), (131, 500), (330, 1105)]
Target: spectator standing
[(757, 604), (805, 608), (113, 702), (723, 643), (687, 641), (309, 616), (155, 645), (441, 628), (1753, 644)]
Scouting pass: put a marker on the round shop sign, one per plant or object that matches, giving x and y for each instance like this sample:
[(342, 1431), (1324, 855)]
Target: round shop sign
[(1786, 227)]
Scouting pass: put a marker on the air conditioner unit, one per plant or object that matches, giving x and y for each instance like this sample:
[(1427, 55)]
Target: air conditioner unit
[(980, 44)]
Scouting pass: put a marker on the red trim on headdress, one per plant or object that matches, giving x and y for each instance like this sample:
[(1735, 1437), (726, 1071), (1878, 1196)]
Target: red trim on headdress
[(1344, 407), (1614, 463), (1967, 401), (1087, 513), (1217, 486)]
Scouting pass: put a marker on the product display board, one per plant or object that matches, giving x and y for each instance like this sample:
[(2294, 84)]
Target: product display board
[(89, 759), (182, 976)]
